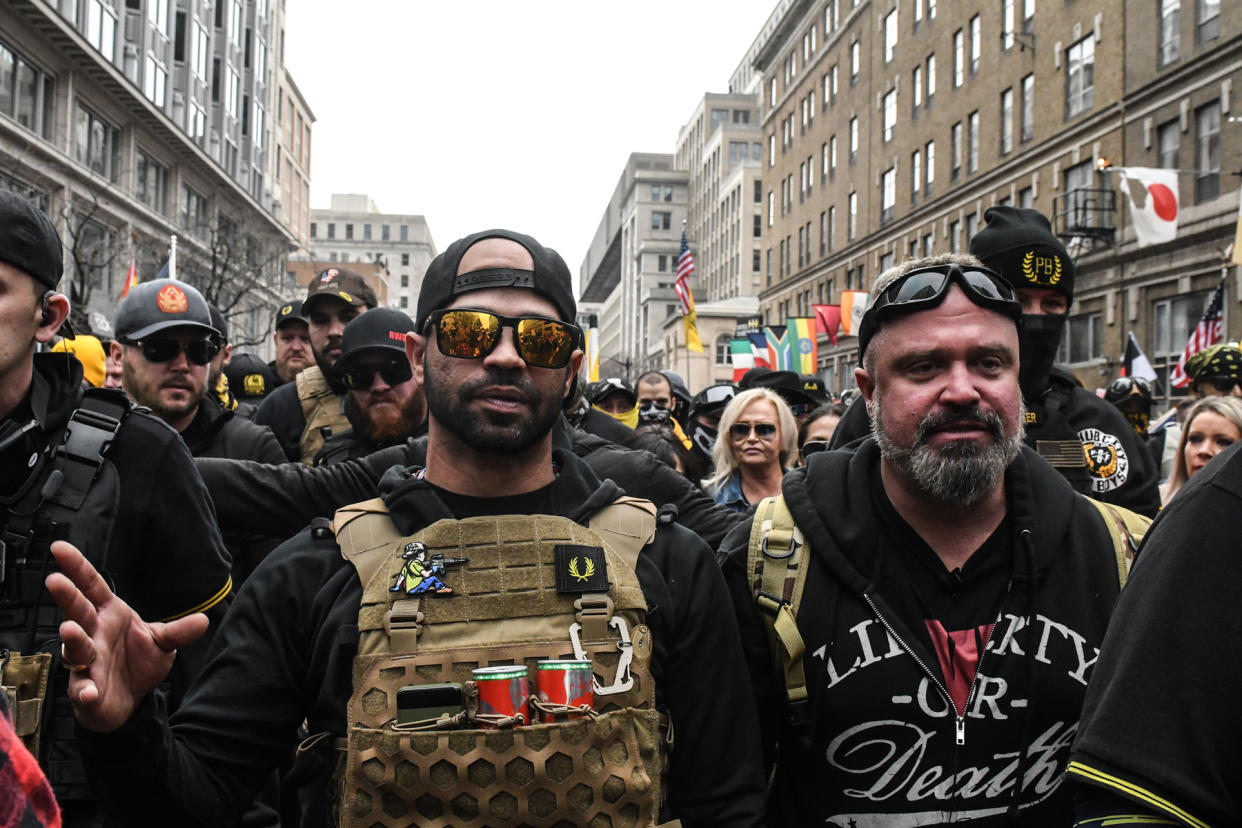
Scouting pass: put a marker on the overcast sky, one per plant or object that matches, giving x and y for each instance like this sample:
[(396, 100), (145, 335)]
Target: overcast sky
[(517, 114)]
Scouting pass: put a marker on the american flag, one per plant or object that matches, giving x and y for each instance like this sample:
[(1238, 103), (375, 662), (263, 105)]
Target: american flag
[(685, 269), (1206, 334)]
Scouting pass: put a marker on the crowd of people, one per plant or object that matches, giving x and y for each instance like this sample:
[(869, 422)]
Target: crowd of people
[(249, 593)]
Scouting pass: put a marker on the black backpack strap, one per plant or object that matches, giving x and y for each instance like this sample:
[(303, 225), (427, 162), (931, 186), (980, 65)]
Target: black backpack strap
[(88, 436)]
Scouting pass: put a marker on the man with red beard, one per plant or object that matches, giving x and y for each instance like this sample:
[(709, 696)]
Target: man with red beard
[(939, 611), (384, 404)]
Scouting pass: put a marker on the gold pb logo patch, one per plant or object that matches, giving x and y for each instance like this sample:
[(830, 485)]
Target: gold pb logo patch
[(254, 384), (1041, 270)]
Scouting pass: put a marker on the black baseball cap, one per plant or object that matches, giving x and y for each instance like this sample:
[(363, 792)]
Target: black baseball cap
[(607, 387), (342, 284), (28, 241), (220, 324), (249, 377), (381, 329), (550, 278), (155, 306), (290, 311)]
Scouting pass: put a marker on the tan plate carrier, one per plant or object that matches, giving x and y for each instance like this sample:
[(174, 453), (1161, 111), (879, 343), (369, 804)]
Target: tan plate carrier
[(600, 771), (321, 408)]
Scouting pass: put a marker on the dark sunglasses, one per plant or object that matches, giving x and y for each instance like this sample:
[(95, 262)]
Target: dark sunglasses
[(197, 352), (473, 334), (393, 371), (925, 287), (1124, 386), (741, 430), (813, 447)]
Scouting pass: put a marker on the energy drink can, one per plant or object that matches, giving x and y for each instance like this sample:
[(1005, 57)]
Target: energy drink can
[(503, 691), (565, 681)]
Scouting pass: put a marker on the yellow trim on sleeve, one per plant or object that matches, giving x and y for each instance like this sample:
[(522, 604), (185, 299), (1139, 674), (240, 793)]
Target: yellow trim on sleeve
[(1134, 792), (206, 605)]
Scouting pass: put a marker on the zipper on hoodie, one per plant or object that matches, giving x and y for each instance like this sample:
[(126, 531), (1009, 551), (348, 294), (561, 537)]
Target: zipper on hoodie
[(959, 717)]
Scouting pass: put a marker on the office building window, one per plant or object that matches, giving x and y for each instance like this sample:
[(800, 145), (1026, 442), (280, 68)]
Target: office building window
[(26, 93), (1028, 107), (832, 227), (405, 259), (852, 219), (916, 175), (1007, 23), (101, 27), (853, 139), (1080, 76), (194, 208), (888, 193), (855, 61), (655, 188), (916, 88), (405, 280), (1168, 139), (150, 182), (1208, 21), (1207, 151), (1081, 339), (661, 220), (95, 142), (890, 35), (890, 115), (1170, 48), (331, 230), (349, 231), (972, 132), (929, 155), (405, 232), (1006, 122), (832, 156), (956, 148), (314, 230), (976, 44), (931, 79), (758, 227), (959, 58), (661, 263)]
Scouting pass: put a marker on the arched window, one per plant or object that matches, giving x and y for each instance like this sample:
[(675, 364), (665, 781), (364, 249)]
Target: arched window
[(723, 353)]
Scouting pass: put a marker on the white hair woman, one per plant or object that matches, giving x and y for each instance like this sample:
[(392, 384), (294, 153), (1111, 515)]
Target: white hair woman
[(758, 442)]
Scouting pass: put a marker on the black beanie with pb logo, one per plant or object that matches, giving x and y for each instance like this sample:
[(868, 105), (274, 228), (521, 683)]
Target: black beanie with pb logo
[(1019, 244)]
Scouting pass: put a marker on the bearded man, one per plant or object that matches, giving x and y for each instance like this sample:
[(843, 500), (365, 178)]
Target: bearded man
[(941, 590), (384, 405)]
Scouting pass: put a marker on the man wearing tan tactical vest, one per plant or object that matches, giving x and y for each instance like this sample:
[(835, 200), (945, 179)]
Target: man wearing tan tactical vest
[(304, 413), (502, 550)]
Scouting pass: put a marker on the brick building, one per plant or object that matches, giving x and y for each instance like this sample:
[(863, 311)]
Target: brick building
[(890, 127)]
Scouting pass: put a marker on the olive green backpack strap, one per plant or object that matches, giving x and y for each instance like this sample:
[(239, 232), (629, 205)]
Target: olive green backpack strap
[(366, 535), (775, 561), (1127, 530)]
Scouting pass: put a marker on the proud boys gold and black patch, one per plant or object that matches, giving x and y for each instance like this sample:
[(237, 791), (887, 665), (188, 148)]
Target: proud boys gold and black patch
[(1042, 268), (580, 568)]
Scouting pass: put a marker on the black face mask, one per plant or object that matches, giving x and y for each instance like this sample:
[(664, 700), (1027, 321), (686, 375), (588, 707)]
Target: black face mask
[(653, 413), (1037, 344)]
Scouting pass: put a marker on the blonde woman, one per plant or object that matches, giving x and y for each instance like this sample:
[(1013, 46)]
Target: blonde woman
[(758, 442), (1213, 424)]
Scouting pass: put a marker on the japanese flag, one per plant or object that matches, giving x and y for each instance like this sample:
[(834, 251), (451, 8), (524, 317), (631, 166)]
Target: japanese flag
[(1153, 203)]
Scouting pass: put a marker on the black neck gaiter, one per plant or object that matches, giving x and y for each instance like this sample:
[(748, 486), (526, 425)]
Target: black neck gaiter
[(1037, 343)]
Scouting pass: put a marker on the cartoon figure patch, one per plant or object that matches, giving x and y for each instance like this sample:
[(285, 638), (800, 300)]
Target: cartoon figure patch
[(420, 574), (1106, 459)]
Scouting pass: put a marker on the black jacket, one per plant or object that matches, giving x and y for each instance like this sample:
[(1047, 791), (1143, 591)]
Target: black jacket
[(355, 444), (293, 494), (285, 653), (1120, 468), (215, 432), (160, 550), (1161, 724), (881, 745)]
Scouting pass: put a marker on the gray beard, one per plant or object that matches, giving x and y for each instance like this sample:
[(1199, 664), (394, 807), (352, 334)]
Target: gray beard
[(959, 474)]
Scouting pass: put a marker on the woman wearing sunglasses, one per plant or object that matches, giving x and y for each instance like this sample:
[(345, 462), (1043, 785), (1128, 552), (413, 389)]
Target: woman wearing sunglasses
[(758, 441), (815, 433)]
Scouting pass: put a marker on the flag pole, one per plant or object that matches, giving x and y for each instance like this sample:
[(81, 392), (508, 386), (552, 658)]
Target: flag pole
[(172, 257)]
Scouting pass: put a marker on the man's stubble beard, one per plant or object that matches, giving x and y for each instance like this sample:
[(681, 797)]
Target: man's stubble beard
[(962, 472), (513, 434)]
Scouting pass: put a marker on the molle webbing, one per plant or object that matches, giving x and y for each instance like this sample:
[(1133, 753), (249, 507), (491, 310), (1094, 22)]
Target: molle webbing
[(321, 408), (604, 770), (776, 562)]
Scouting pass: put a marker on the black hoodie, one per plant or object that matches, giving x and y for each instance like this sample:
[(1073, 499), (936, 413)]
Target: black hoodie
[(285, 654), (884, 744)]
